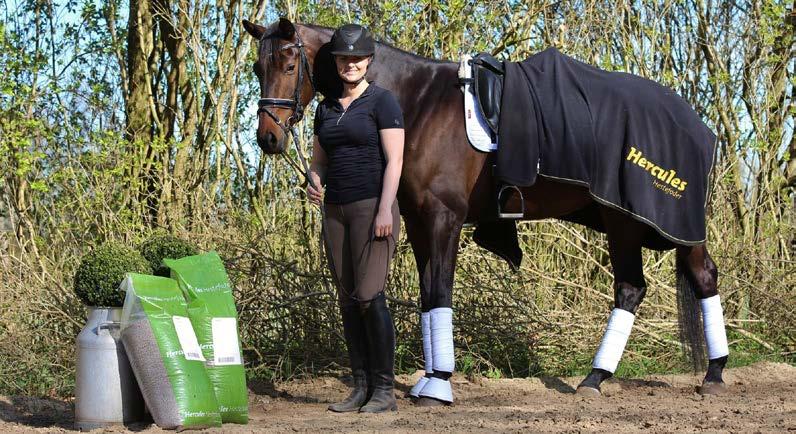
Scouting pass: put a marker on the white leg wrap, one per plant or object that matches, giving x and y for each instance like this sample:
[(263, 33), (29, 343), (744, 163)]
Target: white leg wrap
[(439, 389), (614, 340), (441, 321), (713, 322), (425, 326), (442, 339)]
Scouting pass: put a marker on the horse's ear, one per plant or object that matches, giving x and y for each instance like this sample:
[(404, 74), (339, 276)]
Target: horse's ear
[(255, 30), (286, 28)]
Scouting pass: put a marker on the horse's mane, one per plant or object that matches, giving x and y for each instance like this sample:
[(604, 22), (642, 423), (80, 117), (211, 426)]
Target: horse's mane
[(384, 44), (273, 30), (326, 79)]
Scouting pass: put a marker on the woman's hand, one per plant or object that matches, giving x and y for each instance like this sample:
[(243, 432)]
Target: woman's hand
[(315, 196), (383, 223)]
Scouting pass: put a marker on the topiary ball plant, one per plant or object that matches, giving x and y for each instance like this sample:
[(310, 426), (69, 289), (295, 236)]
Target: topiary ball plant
[(101, 272), (161, 246)]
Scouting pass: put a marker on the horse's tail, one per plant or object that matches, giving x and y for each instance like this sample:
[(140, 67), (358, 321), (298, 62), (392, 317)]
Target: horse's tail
[(689, 319)]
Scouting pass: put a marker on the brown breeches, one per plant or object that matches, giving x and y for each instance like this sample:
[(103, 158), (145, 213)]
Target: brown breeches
[(360, 261)]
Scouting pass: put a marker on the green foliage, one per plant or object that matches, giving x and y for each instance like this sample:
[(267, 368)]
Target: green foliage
[(494, 373), (101, 272), (746, 352), (162, 246)]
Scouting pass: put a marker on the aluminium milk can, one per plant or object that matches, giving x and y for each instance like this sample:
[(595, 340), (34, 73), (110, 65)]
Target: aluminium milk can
[(106, 392)]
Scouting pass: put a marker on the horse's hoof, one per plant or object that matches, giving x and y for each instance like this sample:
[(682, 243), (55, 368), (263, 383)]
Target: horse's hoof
[(712, 388), (425, 401), (588, 392)]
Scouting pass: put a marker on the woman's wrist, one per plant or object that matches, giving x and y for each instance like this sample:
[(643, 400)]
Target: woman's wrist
[(384, 206), (315, 172)]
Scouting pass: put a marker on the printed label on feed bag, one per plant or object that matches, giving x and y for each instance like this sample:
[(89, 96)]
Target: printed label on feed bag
[(188, 341), (225, 342)]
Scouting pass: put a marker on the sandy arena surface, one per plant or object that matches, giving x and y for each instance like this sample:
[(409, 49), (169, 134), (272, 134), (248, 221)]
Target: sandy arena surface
[(762, 398)]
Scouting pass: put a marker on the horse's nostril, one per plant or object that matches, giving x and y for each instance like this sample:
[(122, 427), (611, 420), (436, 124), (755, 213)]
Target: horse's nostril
[(269, 143), (262, 143), (271, 137)]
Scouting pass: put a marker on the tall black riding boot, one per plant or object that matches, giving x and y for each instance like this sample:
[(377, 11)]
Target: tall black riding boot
[(356, 341), (381, 355)]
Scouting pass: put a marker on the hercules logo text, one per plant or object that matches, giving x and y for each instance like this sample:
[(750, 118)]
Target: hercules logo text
[(666, 176)]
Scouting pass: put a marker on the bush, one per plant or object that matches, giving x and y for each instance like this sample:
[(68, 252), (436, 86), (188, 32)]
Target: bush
[(101, 272), (161, 246)]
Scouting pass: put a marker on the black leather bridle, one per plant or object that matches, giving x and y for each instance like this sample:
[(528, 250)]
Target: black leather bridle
[(295, 103)]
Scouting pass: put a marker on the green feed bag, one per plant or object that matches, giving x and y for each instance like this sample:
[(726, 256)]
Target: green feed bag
[(211, 308), (165, 354)]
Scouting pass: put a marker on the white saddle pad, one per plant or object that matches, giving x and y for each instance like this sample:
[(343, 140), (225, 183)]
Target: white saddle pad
[(478, 132)]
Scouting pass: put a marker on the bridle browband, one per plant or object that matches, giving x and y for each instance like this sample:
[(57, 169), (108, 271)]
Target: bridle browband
[(295, 103)]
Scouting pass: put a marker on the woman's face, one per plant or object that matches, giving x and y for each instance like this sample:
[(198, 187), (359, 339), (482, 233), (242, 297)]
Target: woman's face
[(351, 68)]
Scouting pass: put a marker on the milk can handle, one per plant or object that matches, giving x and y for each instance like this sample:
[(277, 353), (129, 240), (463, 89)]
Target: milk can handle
[(107, 325)]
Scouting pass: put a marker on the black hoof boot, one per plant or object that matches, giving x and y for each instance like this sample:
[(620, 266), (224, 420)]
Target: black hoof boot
[(711, 388), (590, 386), (713, 384), (381, 349), (588, 392)]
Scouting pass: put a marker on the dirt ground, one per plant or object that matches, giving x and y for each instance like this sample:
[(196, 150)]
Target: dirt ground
[(762, 398)]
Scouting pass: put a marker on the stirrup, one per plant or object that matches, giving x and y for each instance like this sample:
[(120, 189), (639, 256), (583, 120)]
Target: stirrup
[(510, 215)]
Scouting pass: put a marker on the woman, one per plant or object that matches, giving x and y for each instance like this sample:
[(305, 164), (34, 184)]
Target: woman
[(357, 154)]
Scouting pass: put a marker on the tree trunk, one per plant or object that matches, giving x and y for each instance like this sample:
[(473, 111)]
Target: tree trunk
[(140, 109)]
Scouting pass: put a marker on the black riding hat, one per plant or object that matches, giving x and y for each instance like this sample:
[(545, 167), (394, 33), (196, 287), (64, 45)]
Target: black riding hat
[(353, 40)]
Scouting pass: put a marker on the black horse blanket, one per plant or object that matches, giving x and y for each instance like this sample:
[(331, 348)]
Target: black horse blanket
[(637, 145)]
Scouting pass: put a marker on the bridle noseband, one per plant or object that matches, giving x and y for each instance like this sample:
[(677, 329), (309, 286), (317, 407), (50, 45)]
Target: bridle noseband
[(295, 103)]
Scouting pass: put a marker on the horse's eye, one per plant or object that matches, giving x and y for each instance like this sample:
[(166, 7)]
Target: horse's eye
[(290, 68)]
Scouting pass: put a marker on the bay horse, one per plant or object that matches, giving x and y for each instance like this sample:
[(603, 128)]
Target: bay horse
[(446, 183)]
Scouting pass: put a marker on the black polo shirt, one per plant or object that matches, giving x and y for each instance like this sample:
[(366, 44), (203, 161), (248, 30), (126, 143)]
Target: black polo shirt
[(352, 143)]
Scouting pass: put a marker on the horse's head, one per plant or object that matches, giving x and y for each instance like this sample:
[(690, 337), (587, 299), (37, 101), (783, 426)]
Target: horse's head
[(286, 87)]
